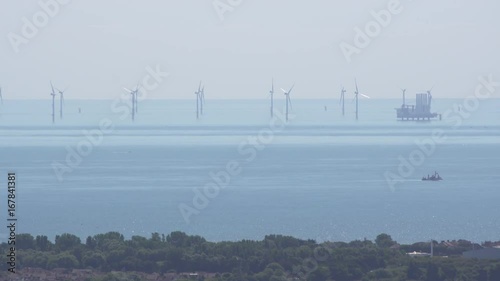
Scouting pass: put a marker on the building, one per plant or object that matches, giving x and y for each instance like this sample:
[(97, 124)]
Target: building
[(418, 254), (486, 253)]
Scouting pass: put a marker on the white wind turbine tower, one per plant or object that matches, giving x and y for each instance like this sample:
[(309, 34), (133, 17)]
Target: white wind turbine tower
[(134, 99), (61, 101), (342, 100), (53, 94), (429, 97), (288, 100), (202, 99), (198, 96), (272, 97), (136, 92), (404, 96), (356, 96)]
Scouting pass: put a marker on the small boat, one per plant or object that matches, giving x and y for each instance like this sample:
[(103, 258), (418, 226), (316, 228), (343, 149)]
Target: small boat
[(435, 177)]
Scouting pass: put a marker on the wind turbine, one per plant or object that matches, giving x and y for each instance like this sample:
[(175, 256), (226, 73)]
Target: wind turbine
[(272, 97), (357, 94), (288, 100), (136, 91), (53, 94), (342, 100), (404, 96), (429, 97), (134, 99), (198, 95), (202, 99), (61, 101)]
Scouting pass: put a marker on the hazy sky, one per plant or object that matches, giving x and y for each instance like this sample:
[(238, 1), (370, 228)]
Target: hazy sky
[(99, 47)]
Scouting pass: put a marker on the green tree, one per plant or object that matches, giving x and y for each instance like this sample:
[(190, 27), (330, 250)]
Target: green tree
[(67, 241), (433, 272), (25, 241), (177, 238), (63, 260), (322, 273), (42, 243), (413, 271), (90, 242), (93, 259), (384, 241)]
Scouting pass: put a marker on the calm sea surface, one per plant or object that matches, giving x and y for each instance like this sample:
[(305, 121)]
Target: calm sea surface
[(321, 176)]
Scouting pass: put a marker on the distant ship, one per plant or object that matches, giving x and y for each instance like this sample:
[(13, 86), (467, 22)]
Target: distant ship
[(435, 177), (420, 111)]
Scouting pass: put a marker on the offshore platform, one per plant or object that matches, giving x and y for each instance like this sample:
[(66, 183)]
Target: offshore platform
[(421, 110)]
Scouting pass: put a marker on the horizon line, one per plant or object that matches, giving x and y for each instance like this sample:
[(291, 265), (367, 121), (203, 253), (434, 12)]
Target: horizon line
[(188, 99)]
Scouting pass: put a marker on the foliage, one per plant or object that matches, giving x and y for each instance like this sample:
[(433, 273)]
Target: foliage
[(275, 258)]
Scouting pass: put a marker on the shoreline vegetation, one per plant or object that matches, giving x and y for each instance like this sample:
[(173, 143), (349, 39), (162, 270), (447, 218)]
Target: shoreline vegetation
[(178, 256)]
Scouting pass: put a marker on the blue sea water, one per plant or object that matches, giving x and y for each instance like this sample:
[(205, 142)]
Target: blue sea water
[(320, 176)]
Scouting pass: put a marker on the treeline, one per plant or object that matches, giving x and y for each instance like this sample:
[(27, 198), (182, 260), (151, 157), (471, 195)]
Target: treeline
[(274, 258)]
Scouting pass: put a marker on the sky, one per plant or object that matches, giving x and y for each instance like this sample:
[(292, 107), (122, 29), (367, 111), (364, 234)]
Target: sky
[(236, 47)]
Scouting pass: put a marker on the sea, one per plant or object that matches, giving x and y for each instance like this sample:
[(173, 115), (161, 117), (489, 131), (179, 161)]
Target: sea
[(236, 173)]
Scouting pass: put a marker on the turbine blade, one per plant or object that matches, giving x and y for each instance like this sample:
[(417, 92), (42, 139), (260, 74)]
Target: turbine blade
[(283, 90), (289, 91), (289, 100), (52, 86), (431, 88), (199, 86), (365, 96), (128, 90)]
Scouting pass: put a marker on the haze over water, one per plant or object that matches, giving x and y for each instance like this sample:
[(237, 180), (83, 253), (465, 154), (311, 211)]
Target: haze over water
[(322, 176)]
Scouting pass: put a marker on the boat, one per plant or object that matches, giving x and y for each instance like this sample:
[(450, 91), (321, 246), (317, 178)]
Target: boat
[(420, 111), (435, 177)]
